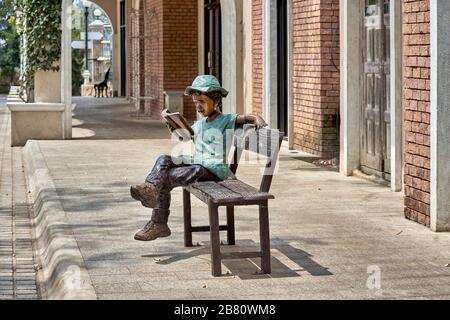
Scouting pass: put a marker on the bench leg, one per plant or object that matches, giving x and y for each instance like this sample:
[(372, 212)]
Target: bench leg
[(187, 218), (216, 267), (264, 237), (230, 225)]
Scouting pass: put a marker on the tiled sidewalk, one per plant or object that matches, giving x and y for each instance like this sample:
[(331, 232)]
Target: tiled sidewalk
[(17, 267)]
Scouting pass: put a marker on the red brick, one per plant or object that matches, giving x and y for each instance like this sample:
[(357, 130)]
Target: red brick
[(416, 97)]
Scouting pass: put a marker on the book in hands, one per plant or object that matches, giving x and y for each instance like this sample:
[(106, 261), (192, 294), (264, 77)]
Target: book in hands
[(179, 123)]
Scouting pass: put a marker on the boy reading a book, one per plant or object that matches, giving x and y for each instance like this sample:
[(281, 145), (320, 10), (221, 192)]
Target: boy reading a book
[(207, 164)]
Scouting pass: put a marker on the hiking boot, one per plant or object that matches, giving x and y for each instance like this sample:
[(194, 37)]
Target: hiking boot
[(146, 193), (152, 231)]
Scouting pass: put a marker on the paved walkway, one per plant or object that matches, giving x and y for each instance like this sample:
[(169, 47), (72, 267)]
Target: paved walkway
[(17, 269), (112, 119), (333, 237)]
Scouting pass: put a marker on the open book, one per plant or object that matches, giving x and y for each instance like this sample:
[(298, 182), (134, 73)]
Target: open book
[(177, 121)]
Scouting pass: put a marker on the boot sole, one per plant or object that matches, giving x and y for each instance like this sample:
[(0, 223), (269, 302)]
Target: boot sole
[(137, 196)]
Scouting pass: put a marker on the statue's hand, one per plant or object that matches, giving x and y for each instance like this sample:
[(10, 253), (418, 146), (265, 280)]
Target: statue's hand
[(253, 119), (260, 123)]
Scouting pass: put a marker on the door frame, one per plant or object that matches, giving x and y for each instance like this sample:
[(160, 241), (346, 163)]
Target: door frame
[(440, 116), (351, 20), (270, 70)]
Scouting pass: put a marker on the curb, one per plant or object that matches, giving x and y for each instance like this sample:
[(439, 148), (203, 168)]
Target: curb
[(63, 273)]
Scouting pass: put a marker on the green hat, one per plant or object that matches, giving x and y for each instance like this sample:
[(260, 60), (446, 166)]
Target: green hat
[(205, 84)]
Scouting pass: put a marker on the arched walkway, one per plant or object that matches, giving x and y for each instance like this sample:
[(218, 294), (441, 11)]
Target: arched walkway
[(110, 8)]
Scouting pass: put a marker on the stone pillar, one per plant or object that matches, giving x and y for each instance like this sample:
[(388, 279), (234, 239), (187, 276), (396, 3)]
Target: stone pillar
[(440, 115), (290, 59), (116, 63), (232, 77), (201, 36), (270, 75), (47, 86), (66, 67), (396, 45), (247, 57), (350, 20)]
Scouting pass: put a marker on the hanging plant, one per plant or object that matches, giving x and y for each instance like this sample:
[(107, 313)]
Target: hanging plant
[(39, 26)]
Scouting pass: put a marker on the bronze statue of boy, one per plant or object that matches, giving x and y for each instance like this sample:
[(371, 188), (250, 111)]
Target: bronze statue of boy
[(207, 164)]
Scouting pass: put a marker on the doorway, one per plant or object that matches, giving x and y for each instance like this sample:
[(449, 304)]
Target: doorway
[(376, 111), (213, 38), (282, 57)]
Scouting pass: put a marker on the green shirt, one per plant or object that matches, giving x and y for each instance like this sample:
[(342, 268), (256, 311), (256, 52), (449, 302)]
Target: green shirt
[(212, 143)]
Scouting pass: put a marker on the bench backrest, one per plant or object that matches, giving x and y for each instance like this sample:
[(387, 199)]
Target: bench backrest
[(265, 142)]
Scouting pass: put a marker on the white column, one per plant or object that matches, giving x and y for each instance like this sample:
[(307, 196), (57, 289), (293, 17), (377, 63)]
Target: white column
[(270, 71), (201, 37), (247, 57), (116, 61), (117, 54), (66, 67), (232, 69), (351, 65), (396, 96), (290, 77), (440, 115)]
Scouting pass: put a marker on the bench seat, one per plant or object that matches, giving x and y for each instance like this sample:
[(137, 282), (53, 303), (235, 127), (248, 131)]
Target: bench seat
[(233, 192)]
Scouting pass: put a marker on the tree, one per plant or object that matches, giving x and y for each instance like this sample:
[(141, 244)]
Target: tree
[(9, 41)]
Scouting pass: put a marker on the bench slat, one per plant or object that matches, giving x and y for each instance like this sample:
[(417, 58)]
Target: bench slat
[(246, 191), (227, 192), (210, 191)]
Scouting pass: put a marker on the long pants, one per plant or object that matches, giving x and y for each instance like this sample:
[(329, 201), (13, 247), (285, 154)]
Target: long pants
[(166, 175)]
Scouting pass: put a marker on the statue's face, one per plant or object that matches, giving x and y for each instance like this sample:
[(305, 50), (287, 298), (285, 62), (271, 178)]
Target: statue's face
[(204, 104)]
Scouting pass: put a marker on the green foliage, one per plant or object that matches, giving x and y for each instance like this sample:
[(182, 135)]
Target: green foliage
[(77, 71), (9, 42), (38, 23)]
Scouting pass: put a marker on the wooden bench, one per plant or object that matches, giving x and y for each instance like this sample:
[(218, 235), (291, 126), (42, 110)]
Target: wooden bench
[(231, 193)]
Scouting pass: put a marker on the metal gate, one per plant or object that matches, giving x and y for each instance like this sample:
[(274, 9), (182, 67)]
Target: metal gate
[(375, 115)]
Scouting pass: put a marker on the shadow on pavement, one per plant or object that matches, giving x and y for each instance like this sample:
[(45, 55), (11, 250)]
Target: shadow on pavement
[(247, 269)]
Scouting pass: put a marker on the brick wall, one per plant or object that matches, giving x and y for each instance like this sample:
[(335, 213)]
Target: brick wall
[(316, 76), (168, 52), (416, 101), (181, 48), (257, 57)]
